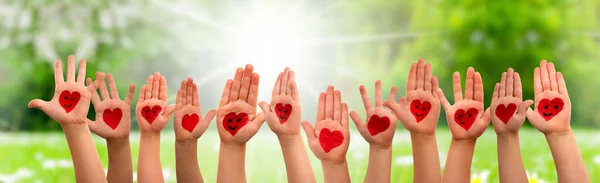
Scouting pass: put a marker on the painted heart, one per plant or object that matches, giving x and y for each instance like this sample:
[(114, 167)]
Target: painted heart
[(189, 122), (233, 122), (504, 113), (548, 109), (69, 100), (420, 109), (378, 124), (150, 114), (330, 139), (112, 118), (283, 112), (466, 119)]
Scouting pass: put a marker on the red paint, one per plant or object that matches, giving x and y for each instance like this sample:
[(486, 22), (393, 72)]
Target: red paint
[(283, 112), (233, 122), (330, 139), (189, 122), (420, 110), (504, 113), (378, 124), (548, 109), (466, 119), (151, 114), (112, 118), (69, 100)]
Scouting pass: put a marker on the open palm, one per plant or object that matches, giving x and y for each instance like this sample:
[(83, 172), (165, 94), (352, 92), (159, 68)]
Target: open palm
[(113, 119), (283, 114), (150, 110), (508, 111), (381, 124), (189, 124)]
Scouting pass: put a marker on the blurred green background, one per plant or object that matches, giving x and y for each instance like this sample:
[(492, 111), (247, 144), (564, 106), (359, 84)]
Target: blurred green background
[(345, 43)]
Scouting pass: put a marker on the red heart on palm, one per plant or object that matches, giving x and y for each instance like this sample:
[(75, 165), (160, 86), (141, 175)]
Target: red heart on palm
[(189, 122), (466, 119), (420, 109), (378, 124), (151, 114), (504, 113), (69, 100), (548, 109), (112, 118), (329, 139), (233, 122), (283, 112)]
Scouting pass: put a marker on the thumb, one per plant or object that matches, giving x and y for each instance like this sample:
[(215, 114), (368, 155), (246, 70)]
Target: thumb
[(486, 116), (265, 107), (92, 125), (169, 111), (534, 118), (309, 130), (356, 118), (209, 116), (258, 120), (38, 104), (395, 107), (524, 106)]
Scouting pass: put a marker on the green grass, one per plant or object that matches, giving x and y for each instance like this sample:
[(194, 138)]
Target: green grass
[(44, 157)]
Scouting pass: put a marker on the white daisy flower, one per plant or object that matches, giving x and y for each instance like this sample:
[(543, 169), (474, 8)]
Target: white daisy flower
[(534, 178), (480, 177)]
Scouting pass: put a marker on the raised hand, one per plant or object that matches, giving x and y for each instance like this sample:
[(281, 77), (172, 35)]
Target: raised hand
[(112, 114), (508, 110), (381, 125), (466, 118), (552, 112), (151, 110), (189, 124), (283, 114)]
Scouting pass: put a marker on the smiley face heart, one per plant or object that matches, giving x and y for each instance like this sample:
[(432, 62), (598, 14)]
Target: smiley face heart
[(112, 118), (330, 139), (283, 112), (150, 114), (69, 100), (420, 109), (189, 122), (378, 124), (504, 113), (233, 122), (465, 119), (548, 109)]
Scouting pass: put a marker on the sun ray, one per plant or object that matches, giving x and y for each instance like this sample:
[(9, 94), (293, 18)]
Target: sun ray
[(368, 38), (195, 16)]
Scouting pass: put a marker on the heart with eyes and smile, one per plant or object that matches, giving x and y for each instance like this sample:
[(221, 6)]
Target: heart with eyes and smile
[(233, 122), (550, 108), (150, 114), (68, 100), (283, 112), (420, 109), (466, 119)]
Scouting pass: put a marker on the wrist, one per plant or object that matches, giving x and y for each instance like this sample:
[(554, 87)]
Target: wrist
[(186, 143), (558, 135), (117, 141), (507, 135), (286, 139), (74, 126), (422, 136), (334, 164)]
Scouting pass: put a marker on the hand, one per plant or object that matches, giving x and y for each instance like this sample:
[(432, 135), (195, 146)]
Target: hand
[(553, 107), (507, 96), (113, 119), (71, 100), (330, 139), (150, 110), (237, 120), (381, 126), (189, 125), (283, 115), (419, 111), (466, 117)]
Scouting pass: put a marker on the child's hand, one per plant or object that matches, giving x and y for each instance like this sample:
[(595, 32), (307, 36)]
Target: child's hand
[(507, 99), (189, 125), (112, 114), (71, 100), (466, 118), (419, 111), (552, 104), (379, 129), (283, 115), (150, 110), (237, 120), (330, 139)]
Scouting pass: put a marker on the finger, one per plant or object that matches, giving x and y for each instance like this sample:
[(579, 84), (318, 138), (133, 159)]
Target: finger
[(345, 115), (294, 89), (284, 81), (478, 88), (552, 76), (92, 125), (365, 97), (183, 90), (179, 101), (428, 74), (97, 82), (130, 94), (258, 120), (393, 92), (562, 86), (114, 93), (81, 73), (411, 84), (378, 96), (537, 81), (149, 86), (535, 118), (71, 69), (545, 78), (443, 100), (95, 97), (141, 98), (237, 83), (58, 72), (246, 79), (510, 82), (321, 107), (104, 91), (395, 107), (337, 106), (309, 130), (277, 87), (486, 118), (209, 116), (189, 92), (156, 85), (356, 119), (436, 85), (524, 106), (457, 87), (469, 86), (163, 95), (420, 74), (195, 98), (496, 91), (329, 108), (253, 94), (518, 88), (38, 104), (169, 111), (502, 91), (226, 93), (266, 108)]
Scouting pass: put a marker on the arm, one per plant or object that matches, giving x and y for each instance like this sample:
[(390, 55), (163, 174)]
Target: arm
[(86, 162), (232, 163), (380, 164), (509, 159), (426, 158), (186, 161), (458, 162), (567, 158), (119, 160), (297, 165), (149, 168), (335, 172)]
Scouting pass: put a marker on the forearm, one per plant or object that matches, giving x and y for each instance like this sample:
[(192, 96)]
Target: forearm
[(86, 161), (297, 165), (458, 162), (426, 158), (510, 163), (335, 172), (186, 160), (232, 163), (119, 160), (380, 164), (568, 161), (149, 168)]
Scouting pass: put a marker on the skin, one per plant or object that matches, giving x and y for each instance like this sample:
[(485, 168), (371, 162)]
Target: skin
[(117, 140), (154, 93), (380, 145), (421, 85), (460, 155), (86, 162), (509, 91), (239, 95), (186, 144), (295, 156), (549, 84), (333, 115)]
